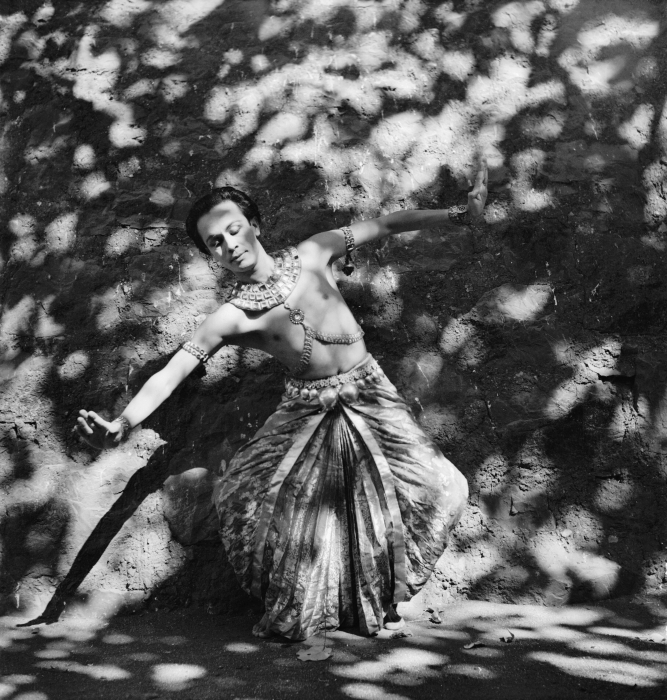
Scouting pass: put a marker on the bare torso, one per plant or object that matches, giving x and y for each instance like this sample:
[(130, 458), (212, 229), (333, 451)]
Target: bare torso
[(317, 295)]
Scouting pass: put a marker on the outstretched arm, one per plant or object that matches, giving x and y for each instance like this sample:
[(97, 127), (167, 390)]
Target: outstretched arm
[(333, 242), (209, 337)]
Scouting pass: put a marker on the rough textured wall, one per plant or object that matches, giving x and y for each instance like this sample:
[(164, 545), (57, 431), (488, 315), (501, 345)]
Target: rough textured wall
[(532, 351)]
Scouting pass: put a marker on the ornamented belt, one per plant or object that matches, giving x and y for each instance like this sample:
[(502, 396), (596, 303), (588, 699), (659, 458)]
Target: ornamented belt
[(328, 389)]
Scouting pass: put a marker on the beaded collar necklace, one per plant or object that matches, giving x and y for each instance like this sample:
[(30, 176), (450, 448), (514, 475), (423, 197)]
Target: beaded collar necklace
[(260, 296)]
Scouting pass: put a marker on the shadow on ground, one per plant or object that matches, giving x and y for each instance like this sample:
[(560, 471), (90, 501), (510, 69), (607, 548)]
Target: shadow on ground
[(616, 650)]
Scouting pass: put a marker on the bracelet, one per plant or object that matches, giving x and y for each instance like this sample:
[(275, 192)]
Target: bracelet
[(125, 428), (195, 350), (459, 215), (348, 266)]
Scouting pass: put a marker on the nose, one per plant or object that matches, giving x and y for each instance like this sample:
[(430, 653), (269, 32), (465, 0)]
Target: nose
[(230, 244)]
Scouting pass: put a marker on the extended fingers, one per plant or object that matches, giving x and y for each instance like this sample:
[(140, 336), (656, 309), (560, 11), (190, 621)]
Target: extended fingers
[(83, 427), (99, 420), (88, 421)]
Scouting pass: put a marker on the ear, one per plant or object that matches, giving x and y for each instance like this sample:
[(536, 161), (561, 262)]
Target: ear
[(254, 223)]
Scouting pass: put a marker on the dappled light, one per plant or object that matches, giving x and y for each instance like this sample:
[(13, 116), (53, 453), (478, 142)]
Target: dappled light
[(532, 350), (477, 650), (176, 676)]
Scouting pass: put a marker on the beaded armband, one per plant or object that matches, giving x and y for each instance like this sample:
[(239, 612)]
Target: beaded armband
[(348, 266), (125, 428), (195, 350)]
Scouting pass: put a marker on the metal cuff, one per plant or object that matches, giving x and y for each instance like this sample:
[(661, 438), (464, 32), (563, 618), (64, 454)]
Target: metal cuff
[(458, 214), (348, 266), (125, 428), (195, 350)]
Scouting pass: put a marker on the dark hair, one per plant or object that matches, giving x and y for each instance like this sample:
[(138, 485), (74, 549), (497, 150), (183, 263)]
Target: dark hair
[(204, 205)]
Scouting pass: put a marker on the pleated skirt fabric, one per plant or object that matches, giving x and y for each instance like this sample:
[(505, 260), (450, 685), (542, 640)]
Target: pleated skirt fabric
[(329, 516)]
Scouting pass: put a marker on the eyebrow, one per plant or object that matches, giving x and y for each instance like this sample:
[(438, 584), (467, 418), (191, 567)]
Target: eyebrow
[(217, 233)]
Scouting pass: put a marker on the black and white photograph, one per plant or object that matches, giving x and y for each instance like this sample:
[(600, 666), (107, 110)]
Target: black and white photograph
[(333, 349)]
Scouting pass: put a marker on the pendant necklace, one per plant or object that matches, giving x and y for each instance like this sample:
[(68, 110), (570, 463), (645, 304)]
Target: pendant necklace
[(260, 296)]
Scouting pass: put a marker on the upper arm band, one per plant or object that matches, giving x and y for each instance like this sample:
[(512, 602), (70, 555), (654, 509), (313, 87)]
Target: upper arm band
[(348, 266), (195, 350)]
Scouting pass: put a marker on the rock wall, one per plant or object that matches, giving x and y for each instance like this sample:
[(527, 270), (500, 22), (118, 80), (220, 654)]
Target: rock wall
[(532, 350)]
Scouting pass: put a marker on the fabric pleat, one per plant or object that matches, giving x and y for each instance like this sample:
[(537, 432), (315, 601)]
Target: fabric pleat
[(331, 516)]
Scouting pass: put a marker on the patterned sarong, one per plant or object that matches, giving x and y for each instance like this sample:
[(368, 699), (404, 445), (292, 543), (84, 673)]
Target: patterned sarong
[(330, 514)]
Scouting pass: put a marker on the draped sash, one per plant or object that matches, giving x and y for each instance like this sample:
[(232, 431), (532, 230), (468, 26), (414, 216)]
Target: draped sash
[(329, 516)]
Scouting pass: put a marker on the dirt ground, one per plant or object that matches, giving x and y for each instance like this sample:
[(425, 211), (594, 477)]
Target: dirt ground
[(515, 652)]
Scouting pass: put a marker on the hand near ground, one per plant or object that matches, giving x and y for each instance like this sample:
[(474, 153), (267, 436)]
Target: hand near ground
[(98, 432), (477, 196)]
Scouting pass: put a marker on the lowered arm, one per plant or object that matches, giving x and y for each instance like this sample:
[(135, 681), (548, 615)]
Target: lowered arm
[(209, 337)]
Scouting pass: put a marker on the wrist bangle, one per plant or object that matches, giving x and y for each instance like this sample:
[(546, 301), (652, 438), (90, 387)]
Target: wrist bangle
[(458, 214), (125, 428)]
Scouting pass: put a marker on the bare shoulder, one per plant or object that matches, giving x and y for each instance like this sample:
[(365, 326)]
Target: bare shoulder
[(329, 245), (227, 314), (227, 320), (322, 247)]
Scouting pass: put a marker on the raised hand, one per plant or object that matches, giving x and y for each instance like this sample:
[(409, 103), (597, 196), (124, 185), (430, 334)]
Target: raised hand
[(477, 196), (96, 431)]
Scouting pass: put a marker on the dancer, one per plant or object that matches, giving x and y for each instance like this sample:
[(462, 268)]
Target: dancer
[(340, 506)]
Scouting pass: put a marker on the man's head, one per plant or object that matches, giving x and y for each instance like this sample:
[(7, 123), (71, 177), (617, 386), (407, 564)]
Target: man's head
[(225, 225), (204, 205)]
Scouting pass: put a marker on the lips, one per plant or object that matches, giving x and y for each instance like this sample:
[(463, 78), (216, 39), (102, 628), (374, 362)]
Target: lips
[(237, 257)]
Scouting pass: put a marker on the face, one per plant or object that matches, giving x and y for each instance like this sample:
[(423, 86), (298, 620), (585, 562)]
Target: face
[(230, 237)]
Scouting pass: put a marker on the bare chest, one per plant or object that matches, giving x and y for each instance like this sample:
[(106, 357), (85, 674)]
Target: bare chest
[(314, 302)]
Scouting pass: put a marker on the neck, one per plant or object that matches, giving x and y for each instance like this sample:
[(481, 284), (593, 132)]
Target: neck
[(261, 272)]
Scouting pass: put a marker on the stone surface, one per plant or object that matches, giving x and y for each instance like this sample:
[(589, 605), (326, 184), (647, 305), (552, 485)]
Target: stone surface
[(532, 351)]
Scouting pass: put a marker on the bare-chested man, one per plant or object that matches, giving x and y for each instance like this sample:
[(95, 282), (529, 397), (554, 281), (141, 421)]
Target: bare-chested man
[(340, 506)]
